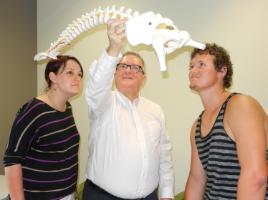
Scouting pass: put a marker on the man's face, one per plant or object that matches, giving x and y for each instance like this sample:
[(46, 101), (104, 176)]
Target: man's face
[(202, 72), (127, 78)]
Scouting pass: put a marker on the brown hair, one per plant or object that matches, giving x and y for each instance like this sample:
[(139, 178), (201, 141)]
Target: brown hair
[(54, 65), (134, 54)]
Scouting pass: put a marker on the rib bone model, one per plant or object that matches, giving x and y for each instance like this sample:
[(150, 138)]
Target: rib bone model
[(147, 28)]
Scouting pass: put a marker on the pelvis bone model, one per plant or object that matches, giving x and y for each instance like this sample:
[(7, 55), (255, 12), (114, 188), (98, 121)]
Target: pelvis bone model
[(148, 28)]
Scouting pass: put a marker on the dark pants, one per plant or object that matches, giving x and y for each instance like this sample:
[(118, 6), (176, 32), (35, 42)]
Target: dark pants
[(94, 192), (6, 198)]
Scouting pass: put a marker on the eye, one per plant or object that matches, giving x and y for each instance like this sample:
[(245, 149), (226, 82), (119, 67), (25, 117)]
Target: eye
[(202, 64), (136, 67), (69, 73), (125, 66), (191, 67), (150, 23)]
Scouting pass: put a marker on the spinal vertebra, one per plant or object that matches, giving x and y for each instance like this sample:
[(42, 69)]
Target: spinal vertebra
[(148, 28)]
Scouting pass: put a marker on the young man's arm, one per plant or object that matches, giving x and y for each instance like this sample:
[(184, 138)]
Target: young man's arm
[(13, 175), (195, 185), (245, 119)]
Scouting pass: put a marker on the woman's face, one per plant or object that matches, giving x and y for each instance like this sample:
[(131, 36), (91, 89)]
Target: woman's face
[(69, 78)]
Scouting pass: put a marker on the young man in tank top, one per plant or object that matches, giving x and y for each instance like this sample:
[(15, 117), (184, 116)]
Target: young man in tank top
[(229, 139)]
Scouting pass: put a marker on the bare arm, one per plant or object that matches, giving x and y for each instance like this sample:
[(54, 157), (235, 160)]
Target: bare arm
[(195, 185), (246, 120), (14, 179)]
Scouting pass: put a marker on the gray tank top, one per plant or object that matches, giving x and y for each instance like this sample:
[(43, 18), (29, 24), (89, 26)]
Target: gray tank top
[(218, 155)]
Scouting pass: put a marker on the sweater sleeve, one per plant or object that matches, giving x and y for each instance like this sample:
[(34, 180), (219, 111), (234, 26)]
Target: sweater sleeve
[(22, 134)]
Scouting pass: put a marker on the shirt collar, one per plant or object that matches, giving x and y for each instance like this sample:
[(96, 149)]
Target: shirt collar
[(126, 101)]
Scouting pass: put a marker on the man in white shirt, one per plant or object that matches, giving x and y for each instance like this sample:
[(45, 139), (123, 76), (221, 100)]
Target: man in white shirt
[(129, 149)]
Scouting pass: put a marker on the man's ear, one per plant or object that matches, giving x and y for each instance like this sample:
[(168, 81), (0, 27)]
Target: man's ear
[(144, 80), (52, 76), (223, 71)]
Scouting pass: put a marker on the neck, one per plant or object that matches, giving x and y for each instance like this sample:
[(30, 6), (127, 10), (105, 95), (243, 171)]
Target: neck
[(55, 100), (130, 94), (213, 100)]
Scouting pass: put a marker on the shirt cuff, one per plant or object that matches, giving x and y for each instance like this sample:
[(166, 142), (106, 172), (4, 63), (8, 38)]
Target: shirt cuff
[(110, 59), (166, 192)]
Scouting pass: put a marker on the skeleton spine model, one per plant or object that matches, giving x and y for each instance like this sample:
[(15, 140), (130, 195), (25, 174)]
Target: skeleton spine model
[(147, 28)]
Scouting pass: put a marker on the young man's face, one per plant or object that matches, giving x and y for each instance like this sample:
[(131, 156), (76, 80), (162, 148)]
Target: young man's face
[(202, 72)]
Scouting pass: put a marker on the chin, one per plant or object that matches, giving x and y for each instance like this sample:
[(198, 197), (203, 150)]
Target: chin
[(73, 93), (194, 88), (127, 83)]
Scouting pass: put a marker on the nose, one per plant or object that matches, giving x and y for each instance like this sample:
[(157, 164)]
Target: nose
[(193, 69), (128, 68), (78, 78)]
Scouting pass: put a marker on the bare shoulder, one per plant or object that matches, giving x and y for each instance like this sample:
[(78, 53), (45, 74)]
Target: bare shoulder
[(266, 125), (243, 104), (244, 110), (193, 129)]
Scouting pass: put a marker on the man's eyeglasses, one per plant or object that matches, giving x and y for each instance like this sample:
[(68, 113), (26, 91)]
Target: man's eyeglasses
[(133, 68)]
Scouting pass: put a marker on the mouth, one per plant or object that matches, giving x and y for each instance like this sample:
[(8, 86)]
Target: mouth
[(76, 85), (193, 76), (127, 77)]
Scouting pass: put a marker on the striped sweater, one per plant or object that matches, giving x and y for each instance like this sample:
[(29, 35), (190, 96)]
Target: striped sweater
[(218, 155), (45, 142)]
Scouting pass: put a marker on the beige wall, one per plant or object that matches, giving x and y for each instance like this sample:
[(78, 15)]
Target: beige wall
[(240, 26), (18, 71)]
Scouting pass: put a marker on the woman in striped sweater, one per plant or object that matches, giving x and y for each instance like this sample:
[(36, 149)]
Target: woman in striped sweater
[(41, 158)]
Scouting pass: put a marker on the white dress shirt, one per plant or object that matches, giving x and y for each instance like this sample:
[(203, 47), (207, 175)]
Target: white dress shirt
[(69, 197), (129, 149)]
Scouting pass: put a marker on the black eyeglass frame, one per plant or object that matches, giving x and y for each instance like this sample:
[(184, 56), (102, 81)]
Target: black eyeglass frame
[(135, 68)]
